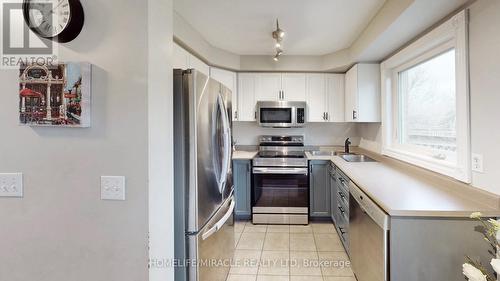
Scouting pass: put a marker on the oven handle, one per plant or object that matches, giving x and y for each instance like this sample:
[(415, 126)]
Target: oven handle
[(293, 171)]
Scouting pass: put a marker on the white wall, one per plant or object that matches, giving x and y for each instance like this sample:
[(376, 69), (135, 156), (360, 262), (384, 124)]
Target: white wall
[(317, 134), (192, 40), (160, 122), (485, 90), (61, 230), (484, 44)]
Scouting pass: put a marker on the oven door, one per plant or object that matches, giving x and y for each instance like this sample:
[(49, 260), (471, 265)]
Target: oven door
[(280, 195), (272, 116)]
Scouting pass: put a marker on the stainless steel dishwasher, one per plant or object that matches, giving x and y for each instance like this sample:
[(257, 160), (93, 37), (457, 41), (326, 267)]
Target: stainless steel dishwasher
[(368, 237)]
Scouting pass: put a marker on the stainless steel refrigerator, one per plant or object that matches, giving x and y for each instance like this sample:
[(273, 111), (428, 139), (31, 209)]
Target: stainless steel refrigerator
[(204, 202)]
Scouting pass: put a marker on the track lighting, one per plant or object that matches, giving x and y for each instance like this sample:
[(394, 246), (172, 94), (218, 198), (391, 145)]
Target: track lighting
[(278, 35), (276, 57)]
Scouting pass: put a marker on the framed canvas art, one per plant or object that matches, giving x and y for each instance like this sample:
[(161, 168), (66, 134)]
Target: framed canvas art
[(57, 95)]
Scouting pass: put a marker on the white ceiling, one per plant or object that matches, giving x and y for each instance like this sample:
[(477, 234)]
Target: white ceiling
[(313, 27)]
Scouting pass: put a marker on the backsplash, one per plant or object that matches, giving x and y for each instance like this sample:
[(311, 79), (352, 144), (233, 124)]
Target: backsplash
[(316, 134)]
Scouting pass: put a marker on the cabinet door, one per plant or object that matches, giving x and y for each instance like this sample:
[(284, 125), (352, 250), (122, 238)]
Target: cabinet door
[(319, 191), (316, 98), (368, 93), (180, 57), (268, 86), (246, 96), (228, 78), (293, 86), (335, 95), (242, 186), (351, 94)]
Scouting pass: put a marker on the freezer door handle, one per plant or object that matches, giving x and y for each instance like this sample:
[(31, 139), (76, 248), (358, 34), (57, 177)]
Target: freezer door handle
[(217, 226)]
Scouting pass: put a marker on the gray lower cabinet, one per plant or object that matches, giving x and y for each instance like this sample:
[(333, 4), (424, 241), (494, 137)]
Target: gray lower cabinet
[(333, 190), (434, 249), (319, 188), (419, 248), (242, 178)]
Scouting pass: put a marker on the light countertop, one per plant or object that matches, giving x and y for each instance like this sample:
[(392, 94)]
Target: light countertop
[(408, 191), (243, 155)]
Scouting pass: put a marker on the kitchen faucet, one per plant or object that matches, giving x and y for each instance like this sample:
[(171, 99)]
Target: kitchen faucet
[(347, 143)]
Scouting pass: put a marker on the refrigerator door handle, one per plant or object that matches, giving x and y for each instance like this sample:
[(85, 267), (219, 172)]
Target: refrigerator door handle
[(217, 226), (227, 145)]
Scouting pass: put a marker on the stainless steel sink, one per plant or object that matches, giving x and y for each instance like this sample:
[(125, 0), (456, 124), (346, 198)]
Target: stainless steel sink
[(327, 153), (357, 158)]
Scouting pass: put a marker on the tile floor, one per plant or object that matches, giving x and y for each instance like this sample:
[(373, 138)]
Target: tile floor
[(289, 253)]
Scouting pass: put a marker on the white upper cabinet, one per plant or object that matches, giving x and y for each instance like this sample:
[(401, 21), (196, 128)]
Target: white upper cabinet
[(280, 86), (183, 59), (199, 65), (293, 86), (228, 78), (316, 97), (325, 97), (268, 86), (335, 93), (323, 93), (362, 93), (247, 96)]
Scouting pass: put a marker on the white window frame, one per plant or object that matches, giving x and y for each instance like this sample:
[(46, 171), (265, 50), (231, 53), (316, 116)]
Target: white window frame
[(453, 34)]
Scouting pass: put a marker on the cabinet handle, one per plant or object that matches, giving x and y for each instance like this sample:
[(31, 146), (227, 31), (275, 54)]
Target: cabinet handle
[(341, 195), (341, 229), (354, 115), (283, 95), (326, 114), (255, 115), (236, 115)]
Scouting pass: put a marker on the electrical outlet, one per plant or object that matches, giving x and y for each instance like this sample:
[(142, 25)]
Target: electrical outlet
[(11, 185), (477, 163), (112, 188)]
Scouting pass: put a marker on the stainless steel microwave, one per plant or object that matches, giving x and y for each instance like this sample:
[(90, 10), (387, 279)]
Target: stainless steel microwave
[(281, 114)]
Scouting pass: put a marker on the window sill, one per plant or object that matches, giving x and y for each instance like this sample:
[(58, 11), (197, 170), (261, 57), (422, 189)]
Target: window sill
[(428, 163)]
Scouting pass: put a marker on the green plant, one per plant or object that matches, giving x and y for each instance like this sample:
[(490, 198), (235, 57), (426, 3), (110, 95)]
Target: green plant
[(474, 270)]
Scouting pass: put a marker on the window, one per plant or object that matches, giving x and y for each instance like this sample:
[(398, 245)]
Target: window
[(425, 102), (427, 107)]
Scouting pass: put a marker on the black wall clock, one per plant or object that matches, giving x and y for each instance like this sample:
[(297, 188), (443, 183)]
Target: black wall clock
[(57, 20)]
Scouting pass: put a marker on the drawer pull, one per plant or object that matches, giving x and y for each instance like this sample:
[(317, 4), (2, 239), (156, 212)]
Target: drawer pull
[(341, 229), (341, 195)]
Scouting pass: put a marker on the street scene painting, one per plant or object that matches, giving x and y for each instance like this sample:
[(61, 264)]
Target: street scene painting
[(57, 95)]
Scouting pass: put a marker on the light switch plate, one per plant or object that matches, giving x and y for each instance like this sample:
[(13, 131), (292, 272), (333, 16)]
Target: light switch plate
[(112, 188), (477, 162), (11, 185)]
